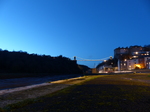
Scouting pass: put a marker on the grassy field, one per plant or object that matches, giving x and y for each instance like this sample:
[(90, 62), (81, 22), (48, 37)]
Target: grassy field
[(110, 93)]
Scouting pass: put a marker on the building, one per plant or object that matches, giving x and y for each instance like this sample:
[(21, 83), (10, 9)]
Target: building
[(94, 70), (106, 69), (148, 64), (107, 66), (133, 57), (146, 60), (137, 63)]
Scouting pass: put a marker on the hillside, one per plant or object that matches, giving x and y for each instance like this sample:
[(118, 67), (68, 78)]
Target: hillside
[(22, 62)]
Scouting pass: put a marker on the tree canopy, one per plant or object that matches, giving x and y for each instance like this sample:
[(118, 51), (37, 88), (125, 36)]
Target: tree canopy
[(22, 62)]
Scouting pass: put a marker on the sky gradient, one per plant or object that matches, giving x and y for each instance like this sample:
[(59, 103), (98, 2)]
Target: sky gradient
[(89, 29)]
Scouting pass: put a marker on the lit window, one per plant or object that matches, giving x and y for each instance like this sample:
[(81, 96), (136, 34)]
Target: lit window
[(129, 66), (125, 59), (124, 64), (136, 52)]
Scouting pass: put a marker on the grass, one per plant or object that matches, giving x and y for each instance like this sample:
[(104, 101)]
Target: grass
[(110, 93), (13, 107)]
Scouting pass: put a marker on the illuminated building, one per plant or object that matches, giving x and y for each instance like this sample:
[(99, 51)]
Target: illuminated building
[(133, 57), (148, 64)]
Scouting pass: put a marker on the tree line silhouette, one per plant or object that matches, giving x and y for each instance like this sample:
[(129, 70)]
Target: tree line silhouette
[(22, 62)]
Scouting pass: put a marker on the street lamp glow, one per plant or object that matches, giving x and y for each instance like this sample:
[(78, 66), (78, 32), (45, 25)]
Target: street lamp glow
[(104, 60)]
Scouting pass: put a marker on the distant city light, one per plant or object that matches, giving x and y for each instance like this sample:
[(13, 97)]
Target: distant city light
[(104, 60)]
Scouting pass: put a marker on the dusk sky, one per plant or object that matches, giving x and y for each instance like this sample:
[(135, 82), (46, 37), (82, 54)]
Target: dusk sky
[(89, 29)]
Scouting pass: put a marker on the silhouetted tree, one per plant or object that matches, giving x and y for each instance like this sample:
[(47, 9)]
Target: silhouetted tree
[(22, 62)]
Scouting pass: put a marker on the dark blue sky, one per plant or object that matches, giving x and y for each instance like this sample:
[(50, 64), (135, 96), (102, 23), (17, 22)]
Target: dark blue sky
[(89, 29)]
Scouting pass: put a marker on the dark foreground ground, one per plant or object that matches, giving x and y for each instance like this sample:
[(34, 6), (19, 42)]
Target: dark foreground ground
[(113, 93)]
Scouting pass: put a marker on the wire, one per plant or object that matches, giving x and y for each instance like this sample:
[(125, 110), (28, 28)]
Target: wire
[(82, 59)]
